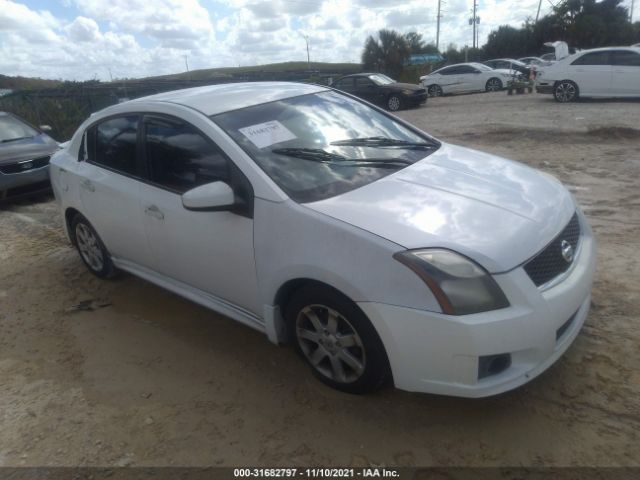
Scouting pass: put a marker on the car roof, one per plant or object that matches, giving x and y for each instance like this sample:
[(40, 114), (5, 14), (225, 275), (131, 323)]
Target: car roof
[(215, 99), (604, 49)]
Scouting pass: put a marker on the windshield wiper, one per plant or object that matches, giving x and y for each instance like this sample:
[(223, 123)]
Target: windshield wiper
[(13, 139), (382, 142), (322, 156)]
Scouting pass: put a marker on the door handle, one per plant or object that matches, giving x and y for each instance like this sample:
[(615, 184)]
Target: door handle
[(87, 185), (154, 212)]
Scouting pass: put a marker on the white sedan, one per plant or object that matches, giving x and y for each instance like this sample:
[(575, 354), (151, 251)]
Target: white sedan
[(380, 253), (466, 77), (601, 72)]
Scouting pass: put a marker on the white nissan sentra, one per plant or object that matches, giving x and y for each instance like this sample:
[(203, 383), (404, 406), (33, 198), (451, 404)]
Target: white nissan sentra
[(379, 252)]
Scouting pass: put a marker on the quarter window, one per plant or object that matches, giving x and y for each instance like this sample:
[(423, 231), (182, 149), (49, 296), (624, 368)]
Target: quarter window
[(180, 157), (115, 144), (594, 58)]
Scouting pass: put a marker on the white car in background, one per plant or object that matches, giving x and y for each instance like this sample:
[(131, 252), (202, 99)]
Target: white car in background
[(466, 77), (600, 72), (378, 251)]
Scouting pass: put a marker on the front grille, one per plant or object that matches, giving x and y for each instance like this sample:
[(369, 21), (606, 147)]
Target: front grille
[(422, 91), (550, 263), (24, 166)]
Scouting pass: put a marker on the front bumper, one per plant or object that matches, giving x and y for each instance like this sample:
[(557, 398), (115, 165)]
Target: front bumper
[(30, 182), (436, 353)]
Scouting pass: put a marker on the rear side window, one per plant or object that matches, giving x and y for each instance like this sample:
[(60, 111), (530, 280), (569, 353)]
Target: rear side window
[(344, 83), (180, 158), (594, 58), (626, 58), (363, 82), (114, 144)]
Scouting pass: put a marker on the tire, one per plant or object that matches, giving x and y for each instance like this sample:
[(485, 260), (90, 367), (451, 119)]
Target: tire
[(493, 85), (92, 251), (565, 91), (336, 340), (434, 91), (394, 103)]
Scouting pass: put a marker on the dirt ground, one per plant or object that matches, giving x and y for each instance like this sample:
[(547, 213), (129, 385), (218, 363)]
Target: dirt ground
[(152, 379)]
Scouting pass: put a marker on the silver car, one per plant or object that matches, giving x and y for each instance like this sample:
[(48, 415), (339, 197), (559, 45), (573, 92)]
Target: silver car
[(24, 157)]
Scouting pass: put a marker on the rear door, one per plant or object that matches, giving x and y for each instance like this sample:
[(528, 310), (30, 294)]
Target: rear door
[(592, 72), (108, 175), (625, 79)]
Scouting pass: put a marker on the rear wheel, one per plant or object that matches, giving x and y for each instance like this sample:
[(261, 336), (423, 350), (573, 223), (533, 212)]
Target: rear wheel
[(336, 340), (394, 103), (434, 91), (493, 85), (565, 91), (92, 251)]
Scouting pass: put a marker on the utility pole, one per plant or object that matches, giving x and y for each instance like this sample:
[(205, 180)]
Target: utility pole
[(438, 26), (475, 20), (631, 12), (306, 39), (539, 6)]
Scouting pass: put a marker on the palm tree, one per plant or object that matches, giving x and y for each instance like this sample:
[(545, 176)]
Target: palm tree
[(387, 53)]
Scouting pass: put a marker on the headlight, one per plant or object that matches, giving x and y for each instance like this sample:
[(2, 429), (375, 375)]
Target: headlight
[(460, 285)]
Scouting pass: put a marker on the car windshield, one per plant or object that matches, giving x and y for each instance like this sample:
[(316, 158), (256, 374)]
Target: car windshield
[(13, 129), (325, 144), (380, 79)]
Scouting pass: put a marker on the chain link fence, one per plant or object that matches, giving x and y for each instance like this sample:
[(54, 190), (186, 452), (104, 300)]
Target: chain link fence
[(64, 108)]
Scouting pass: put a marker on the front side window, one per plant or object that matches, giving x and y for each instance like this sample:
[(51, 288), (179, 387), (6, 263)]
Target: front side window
[(626, 58), (180, 157), (320, 145), (114, 144), (594, 58)]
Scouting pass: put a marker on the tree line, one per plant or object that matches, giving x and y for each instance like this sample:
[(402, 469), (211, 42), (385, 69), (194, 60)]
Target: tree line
[(581, 23)]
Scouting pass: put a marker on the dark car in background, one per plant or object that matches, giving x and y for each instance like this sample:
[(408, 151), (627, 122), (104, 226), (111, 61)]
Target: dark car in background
[(382, 90), (24, 157)]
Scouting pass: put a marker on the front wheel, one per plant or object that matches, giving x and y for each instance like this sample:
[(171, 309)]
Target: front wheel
[(336, 340), (493, 85), (565, 91), (92, 251), (394, 103), (434, 91)]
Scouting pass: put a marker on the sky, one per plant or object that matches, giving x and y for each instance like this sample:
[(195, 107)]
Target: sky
[(103, 39)]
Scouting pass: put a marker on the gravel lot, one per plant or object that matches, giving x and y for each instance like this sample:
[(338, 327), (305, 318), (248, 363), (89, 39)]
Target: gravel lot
[(152, 379)]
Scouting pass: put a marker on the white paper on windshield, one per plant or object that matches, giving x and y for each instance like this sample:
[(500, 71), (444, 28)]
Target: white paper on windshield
[(268, 133)]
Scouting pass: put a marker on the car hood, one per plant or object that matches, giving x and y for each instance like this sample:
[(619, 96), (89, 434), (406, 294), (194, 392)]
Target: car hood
[(40, 145), (498, 212)]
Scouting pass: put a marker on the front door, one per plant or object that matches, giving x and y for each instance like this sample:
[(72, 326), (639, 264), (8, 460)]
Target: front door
[(209, 250)]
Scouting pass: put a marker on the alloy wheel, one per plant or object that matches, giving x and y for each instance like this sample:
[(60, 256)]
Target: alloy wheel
[(330, 343), (434, 91), (493, 85), (565, 92), (89, 247), (394, 103)]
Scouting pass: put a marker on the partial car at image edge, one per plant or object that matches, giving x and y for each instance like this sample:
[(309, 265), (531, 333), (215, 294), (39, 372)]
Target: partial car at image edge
[(25, 151), (381, 254), (610, 72)]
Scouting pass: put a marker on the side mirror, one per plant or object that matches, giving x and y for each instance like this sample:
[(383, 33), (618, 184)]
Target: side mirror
[(214, 196), (45, 128)]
